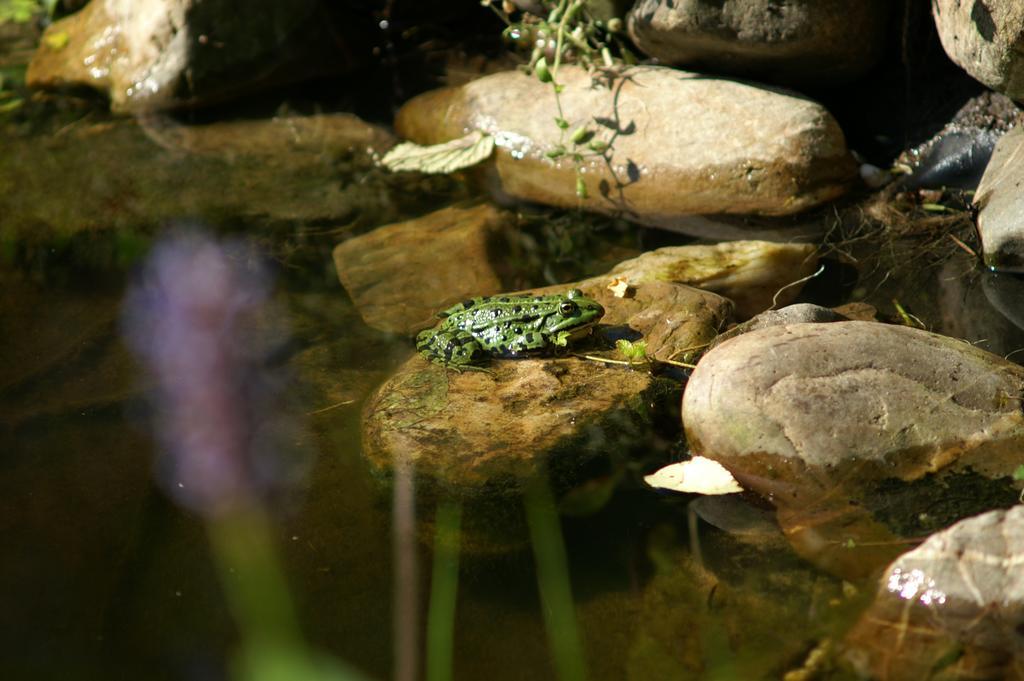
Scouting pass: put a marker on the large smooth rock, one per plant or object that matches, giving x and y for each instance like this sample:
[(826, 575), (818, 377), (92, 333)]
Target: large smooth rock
[(158, 54), (834, 422), (953, 608), (985, 38), (1001, 205), (754, 275), (478, 433), (680, 143), (802, 41), (400, 275)]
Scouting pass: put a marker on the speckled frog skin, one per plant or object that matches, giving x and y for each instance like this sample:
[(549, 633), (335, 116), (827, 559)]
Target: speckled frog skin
[(507, 326)]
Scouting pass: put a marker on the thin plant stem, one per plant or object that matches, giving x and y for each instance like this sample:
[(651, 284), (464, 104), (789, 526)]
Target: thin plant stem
[(444, 584), (553, 581)]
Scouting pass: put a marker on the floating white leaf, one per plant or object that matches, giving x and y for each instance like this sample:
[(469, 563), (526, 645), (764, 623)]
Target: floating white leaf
[(441, 158), (699, 475)]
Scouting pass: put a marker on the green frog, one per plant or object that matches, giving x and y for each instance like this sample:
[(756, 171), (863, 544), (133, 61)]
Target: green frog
[(507, 326)]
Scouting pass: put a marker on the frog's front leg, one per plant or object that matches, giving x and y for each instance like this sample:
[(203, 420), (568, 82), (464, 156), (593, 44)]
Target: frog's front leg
[(455, 349)]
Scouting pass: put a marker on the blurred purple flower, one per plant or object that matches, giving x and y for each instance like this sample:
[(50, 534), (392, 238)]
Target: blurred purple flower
[(197, 317)]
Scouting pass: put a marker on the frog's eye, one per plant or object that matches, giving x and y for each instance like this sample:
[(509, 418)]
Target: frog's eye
[(567, 308)]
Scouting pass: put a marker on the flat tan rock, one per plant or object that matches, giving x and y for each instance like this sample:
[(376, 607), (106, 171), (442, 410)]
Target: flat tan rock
[(401, 275), (680, 143), (754, 275)]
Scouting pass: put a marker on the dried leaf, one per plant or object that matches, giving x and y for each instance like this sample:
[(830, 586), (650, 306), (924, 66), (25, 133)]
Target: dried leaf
[(441, 158), (699, 475)]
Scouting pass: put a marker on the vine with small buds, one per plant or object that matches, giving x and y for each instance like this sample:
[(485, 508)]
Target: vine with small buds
[(568, 33)]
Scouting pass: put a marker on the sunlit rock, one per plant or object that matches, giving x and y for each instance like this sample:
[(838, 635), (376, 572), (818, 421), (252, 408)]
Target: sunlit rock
[(984, 37), (478, 433), (754, 275), (401, 275), (953, 608), (157, 54), (840, 426), (806, 41), (678, 143), (1001, 205)]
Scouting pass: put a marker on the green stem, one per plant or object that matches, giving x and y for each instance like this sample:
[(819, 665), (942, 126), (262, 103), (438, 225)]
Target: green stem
[(444, 584), (553, 581)]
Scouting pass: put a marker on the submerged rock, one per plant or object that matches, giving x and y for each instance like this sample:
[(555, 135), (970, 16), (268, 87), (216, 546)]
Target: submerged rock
[(678, 143), (832, 422), (134, 175), (400, 275), (749, 273), (808, 41), (985, 38), (1000, 205), (479, 433), (953, 608), (158, 54)]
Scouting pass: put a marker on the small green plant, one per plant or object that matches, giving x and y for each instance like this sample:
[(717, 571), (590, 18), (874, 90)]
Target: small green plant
[(567, 33), (633, 351)]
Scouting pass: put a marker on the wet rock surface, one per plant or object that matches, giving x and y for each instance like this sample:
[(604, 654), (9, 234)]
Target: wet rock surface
[(401, 275), (984, 38), (679, 143), (814, 416), (749, 273), (158, 54), (1000, 205), (951, 608), (804, 41), (958, 154), (479, 433)]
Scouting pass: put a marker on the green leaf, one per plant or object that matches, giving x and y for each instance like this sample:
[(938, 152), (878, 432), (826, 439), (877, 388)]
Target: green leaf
[(459, 153), (632, 351), (1018, 473), (556, 152), (561, 123), (580, 135)]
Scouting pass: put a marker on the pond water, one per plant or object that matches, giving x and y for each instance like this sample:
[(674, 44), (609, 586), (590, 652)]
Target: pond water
[(107, 573), (110, 570)]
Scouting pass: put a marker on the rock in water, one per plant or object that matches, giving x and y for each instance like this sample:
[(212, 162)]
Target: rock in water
[(985, 38), (1001, 205), (477, 434), (806, 41), (678, 143), (831, 422), (953, 605)]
